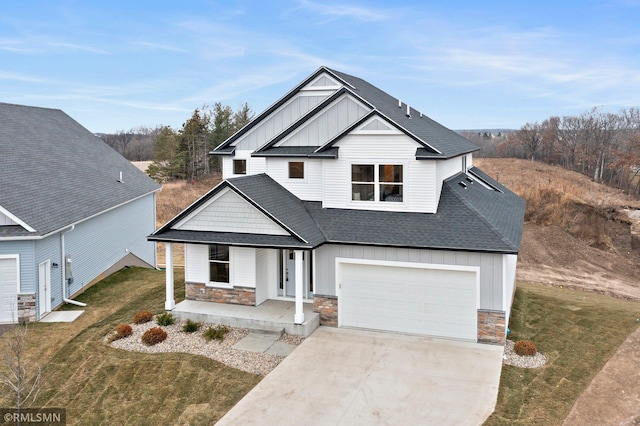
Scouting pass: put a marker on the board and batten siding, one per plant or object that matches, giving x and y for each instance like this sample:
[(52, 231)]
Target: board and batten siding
[(5, 220), (50, 249), (419, 175), (491, 266), (309, 188), (98, 243), (28, 267), (228, 212), (279, 120), (335, 118), (510, 261)]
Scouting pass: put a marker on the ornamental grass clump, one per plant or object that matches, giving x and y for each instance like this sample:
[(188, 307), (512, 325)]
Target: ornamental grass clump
[(142, 317), (154, 336), (122, 331), (191, 326), (165, 319), (525, 348), (215, 333)]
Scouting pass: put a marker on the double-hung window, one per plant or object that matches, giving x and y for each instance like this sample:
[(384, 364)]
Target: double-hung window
[(219, 264), (377, 182)]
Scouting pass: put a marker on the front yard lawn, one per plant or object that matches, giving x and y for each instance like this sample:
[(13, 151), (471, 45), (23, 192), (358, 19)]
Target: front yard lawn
[(578, 332), (98, 384)]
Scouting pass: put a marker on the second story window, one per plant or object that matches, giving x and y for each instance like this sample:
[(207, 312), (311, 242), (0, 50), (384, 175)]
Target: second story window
[(239, 167), (381, 183), (296, 169)]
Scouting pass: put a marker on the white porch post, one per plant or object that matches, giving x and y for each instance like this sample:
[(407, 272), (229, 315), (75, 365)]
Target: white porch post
[(299, 316), (170, 302)]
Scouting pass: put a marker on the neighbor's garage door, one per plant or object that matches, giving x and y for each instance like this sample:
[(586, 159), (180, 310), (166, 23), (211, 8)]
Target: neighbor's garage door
[(434, 302), (8, 289)]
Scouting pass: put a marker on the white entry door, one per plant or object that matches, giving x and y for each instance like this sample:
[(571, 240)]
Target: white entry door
[(289, 275), (409, 299), (9, 279), (44, 288)]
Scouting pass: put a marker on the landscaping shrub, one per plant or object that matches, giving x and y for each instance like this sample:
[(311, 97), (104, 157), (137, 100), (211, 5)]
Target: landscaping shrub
[(165, 319), (153, 336), (191, 326), (142, 317), (122, 331), (525, 347), (215, 333)]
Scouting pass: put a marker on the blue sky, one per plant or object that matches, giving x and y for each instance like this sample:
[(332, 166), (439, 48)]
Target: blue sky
[(467, 64)]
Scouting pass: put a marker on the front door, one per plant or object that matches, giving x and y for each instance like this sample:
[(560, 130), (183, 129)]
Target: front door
[(288, 279), (44, 288)]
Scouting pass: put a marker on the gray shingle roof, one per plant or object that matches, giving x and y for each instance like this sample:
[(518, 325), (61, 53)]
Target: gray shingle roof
[(439, 141), (472, 219), (54, 172)]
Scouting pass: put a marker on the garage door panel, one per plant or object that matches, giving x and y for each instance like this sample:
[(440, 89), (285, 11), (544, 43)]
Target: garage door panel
[(411, 300)]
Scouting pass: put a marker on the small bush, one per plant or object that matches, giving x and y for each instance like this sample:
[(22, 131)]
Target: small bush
[(123, 330), (191, 326), (142, 317), (153, 336), (215, 333), (165, 319), (525, 348)]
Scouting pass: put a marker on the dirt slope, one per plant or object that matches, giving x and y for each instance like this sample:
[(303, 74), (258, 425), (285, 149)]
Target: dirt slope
[(583, 240)]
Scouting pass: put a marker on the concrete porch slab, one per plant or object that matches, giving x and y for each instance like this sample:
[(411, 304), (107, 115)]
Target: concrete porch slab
[(271, 313), (62, 316)]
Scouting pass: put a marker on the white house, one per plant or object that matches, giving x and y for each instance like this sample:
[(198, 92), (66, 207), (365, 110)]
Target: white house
[(343, 196), (72, 210)]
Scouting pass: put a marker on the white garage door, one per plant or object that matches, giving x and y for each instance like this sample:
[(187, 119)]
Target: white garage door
[(8, 289), (417, 300)]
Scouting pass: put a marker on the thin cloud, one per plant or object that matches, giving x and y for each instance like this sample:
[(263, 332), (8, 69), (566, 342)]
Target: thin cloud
[(343, 11), (157, 46)]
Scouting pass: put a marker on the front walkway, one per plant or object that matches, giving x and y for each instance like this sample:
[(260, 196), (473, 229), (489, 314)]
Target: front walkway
[(269, 314), (355, 377)]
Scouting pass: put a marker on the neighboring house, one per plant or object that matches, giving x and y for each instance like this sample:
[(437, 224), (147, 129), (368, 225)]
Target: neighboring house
[(341, 195), (72, 210)]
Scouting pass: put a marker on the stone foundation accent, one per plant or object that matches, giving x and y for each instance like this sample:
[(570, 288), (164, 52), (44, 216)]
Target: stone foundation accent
[(327, 307), (26, 307), (235, 295), (491, 327)]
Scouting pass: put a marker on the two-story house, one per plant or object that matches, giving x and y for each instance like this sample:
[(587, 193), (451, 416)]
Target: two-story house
[(342, 196)]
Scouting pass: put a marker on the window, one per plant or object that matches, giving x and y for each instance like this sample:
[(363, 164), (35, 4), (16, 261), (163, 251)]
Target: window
[(239, 167), (219, 264), (296, 169), (383, 183)]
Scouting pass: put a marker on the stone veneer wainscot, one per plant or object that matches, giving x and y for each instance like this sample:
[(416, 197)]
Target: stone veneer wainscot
[(235, 295)]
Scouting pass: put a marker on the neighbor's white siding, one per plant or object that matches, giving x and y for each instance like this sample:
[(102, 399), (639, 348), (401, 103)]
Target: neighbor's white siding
[(309, 188), (419, 175), (491, 266), (228, 212)]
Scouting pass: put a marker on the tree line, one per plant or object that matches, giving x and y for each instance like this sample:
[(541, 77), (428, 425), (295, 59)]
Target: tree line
[(182, 153), (602, 145)]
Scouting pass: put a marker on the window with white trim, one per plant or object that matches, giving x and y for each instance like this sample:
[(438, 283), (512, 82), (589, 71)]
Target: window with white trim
[(219, 264), (239, 167), (382, 183), (296, 169)]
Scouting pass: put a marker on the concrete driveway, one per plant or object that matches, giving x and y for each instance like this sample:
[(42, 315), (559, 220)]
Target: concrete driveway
[(354, 377)]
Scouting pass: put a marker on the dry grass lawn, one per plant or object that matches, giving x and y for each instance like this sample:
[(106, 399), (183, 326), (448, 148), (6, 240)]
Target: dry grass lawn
[(98, 384)]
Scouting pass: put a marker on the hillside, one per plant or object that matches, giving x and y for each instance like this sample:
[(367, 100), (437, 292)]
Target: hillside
[(577, 232)]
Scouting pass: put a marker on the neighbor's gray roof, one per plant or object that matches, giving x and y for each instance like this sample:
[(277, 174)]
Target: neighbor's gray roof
[(471, 218), (54, 172), (437, 140)]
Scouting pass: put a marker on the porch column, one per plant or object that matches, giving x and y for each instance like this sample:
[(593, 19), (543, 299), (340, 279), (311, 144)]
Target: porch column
[(169, 303), (299, 316)]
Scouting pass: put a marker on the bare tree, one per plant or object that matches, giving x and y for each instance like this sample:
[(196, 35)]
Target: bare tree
[(18, 376), (530, 136)]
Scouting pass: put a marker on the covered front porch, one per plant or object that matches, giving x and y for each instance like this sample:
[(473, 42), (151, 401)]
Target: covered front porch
[(269, 315)]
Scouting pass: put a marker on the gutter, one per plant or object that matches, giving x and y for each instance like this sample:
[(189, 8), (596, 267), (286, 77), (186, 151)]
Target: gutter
[(64, 270)]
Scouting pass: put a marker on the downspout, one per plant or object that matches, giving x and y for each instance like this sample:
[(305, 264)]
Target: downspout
[(64, 271)]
